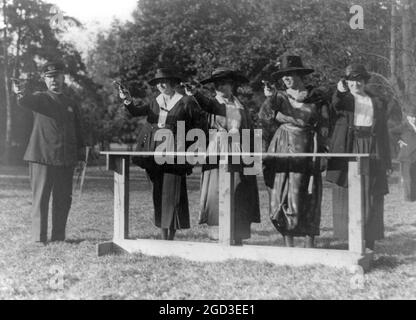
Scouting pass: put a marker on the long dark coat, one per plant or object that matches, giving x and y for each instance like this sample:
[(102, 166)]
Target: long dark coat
[(375, 185), (170, 196), (56, 138), (343, 138), (186, 110)]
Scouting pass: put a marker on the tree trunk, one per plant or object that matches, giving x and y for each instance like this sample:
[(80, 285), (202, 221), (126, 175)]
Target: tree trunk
[(407, 59), (8, 142), (393, 48), (16, 69)]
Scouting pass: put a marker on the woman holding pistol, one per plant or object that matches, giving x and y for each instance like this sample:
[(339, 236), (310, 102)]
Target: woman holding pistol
[(227, 115), (170, 197), (360, 127)]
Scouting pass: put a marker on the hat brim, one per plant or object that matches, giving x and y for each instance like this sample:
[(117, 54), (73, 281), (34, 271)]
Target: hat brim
[(235, 77), (358, 76), (284, 72), (17, 79), (53, 73), (154, 81)]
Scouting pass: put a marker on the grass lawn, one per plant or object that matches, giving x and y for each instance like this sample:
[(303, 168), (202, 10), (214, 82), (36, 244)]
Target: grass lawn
[(26, 270)]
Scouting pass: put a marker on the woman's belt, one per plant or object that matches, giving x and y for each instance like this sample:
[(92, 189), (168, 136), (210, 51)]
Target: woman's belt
[(362, 132), (292, 127)]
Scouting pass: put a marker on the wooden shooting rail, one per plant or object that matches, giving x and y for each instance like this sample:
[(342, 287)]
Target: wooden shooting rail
[(356, 255)]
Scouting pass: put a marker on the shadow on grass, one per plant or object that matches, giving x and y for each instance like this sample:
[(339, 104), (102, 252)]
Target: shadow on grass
[(75, 241), (401, 244), (266, 243), (92, 240), (264, 233), (391, 229), (386, 263), (395, 251)]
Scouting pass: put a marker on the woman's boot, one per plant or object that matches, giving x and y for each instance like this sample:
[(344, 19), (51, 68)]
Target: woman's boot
[(370, 244), (172, 233), (165, 234), (289, 241), (310, 242)]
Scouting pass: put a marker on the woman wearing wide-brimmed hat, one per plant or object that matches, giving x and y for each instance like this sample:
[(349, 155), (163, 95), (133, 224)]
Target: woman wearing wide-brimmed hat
[(169, 180), (360, 127), (227, 114), (294, 184)]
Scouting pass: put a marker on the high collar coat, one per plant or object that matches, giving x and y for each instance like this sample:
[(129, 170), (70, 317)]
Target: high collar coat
[(342, 139)]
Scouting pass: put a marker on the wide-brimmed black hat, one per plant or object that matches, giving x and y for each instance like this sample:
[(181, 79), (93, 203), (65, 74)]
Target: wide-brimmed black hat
[(291, 64), (165, 73), (225, 73), (356, 72), (53, 68)]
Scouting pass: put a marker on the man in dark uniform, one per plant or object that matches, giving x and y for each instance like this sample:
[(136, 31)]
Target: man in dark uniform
[(55, 149)]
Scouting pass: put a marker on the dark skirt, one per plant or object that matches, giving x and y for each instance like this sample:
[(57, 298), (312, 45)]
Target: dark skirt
[(295, 187), (374, 190), (170, 200), (170, 196), (295, 204), (246, 198)]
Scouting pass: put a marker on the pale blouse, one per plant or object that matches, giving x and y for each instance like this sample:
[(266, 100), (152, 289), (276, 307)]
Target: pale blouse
[(364, 111), (231, 124), (165, 106)]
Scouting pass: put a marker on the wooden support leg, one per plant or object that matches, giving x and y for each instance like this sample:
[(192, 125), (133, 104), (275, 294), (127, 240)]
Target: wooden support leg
[(355, 209), (226, 205), (121, 167)]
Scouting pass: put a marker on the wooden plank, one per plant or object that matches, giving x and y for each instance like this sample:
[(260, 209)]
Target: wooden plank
[(242, 154), (107, 248), (121, 196), (355, 209), (110, 164), (213, 252), (340, 212), (104, 248), (226, 205)]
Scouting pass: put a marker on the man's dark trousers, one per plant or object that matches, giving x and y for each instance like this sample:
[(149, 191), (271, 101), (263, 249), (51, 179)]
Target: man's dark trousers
[(47, 180)]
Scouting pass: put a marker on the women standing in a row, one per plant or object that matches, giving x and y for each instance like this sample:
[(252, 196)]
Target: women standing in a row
[(361, 127), (170, 197), (228, 116), (295, 184)]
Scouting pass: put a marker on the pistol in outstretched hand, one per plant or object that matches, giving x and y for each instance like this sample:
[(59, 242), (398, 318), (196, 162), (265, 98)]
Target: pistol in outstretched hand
[(190, 87), (269, 88), (267, 84), (19, 86), (124, 93)]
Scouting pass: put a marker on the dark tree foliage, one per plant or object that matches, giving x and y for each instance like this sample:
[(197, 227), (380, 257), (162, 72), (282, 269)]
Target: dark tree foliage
[(32, 41), (195, 36)]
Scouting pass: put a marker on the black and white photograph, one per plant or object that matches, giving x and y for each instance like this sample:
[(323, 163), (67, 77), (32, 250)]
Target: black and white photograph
[(207, 155)]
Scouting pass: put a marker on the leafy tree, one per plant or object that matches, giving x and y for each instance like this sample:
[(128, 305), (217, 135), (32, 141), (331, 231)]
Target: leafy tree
[(29, 40), (250, 35)]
